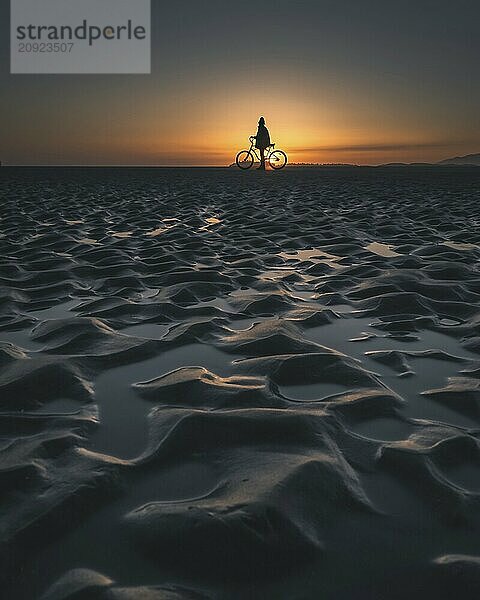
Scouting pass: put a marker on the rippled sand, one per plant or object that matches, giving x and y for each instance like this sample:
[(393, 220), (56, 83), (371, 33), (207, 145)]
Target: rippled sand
[(229, 385)]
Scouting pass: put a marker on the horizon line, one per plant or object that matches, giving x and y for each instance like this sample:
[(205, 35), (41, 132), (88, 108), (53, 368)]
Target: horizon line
[(297, 165)]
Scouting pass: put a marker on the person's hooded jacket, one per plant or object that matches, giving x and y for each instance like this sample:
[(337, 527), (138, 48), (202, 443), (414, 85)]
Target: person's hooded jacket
[(262, 137)]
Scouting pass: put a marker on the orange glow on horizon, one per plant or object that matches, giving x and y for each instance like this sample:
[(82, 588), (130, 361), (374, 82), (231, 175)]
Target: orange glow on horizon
[(312, 126), (204, 123)]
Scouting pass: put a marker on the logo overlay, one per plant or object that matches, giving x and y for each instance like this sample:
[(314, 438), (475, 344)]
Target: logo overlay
[(80, 36)]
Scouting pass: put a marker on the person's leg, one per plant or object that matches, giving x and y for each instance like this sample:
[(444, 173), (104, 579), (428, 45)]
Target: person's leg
[(262, 159)]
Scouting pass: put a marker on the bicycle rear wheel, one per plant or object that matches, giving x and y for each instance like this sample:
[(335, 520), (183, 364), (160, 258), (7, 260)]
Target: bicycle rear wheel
[(244, 159), (277, 159)]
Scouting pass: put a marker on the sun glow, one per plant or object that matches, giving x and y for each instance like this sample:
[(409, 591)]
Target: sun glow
[(203, 122), (312, 122)]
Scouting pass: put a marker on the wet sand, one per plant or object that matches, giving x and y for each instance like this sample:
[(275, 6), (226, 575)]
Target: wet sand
[(228, 385)]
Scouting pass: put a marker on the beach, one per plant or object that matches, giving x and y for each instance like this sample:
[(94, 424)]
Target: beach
[(233, 385)]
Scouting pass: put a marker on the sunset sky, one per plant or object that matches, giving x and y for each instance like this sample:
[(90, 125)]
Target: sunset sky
[(355, 81)]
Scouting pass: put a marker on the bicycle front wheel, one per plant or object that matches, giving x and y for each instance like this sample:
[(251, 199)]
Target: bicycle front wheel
[(244, 159), (277, 159)]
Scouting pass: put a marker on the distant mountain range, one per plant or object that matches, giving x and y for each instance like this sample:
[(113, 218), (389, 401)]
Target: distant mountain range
[(458, 161), (469, 159)]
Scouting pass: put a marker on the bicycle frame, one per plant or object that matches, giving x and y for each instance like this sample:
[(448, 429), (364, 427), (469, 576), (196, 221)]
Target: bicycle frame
[(254, 150)]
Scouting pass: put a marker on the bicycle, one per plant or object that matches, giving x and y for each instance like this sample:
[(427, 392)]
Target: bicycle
[(277, 159)]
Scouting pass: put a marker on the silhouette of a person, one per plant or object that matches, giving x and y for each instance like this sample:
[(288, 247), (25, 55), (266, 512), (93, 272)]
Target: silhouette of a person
[(262, 141)]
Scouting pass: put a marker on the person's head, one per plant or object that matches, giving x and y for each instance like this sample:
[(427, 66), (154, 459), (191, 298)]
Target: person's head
[(261, 121)]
